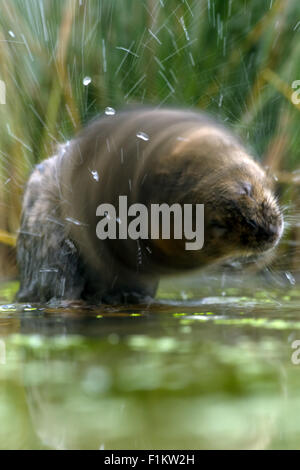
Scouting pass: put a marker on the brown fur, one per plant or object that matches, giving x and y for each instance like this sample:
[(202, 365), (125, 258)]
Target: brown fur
[(187, 159)]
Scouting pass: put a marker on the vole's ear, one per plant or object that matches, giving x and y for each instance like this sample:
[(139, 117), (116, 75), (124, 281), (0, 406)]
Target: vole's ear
[(217, 228)]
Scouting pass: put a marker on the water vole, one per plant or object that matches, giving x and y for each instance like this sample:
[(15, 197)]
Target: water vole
[(151, 156)]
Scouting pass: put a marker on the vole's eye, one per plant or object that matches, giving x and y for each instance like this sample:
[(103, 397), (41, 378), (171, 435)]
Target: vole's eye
[(245, 188), (218, 228)]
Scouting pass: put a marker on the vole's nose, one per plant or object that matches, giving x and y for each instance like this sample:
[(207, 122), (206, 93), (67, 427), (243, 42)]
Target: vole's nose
[(267, 234)]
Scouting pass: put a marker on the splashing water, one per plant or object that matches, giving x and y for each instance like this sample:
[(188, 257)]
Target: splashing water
[(95, 175), (110, 111), (142, 136), (86, 81)]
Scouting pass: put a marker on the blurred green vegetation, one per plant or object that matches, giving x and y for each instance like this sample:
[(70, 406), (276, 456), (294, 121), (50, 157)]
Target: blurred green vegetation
[(236, 59)]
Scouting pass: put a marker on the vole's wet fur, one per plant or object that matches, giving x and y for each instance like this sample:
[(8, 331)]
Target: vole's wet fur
[(188, 158)]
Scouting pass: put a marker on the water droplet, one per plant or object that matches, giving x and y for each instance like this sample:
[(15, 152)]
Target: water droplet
[(290, 278), (62, 149), (48, 270), (70, 244), (74, 221), (142, 136), (184, 295), (110, 111), (86, 81), (95, 175)]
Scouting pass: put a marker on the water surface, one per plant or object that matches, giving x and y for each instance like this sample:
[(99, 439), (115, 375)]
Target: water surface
[(204, 366)]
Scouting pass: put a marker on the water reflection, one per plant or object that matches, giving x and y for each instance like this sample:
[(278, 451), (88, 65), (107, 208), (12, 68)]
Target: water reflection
[(190, 371)]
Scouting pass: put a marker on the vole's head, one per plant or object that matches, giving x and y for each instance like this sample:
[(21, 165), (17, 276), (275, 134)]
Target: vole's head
[(243, 216)]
